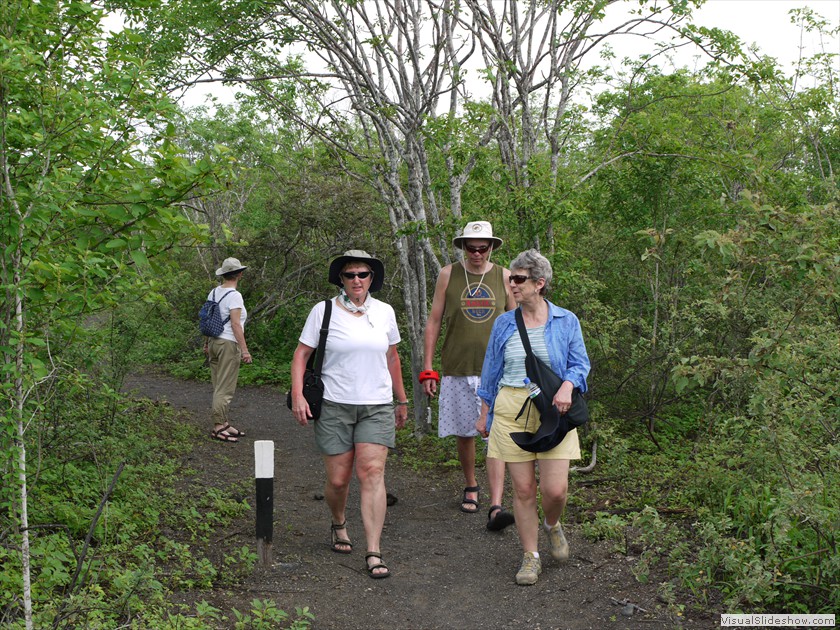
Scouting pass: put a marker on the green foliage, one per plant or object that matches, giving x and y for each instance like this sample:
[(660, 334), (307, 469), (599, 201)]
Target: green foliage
[(431, 452), (265, 615), (209, 513), (238, 565), (607, 527), (757, 463), (89, 186), (132, 564), (779, 451), (185, 569)]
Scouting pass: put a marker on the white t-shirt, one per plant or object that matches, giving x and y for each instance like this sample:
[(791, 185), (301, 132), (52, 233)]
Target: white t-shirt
[(355, 369), (232, 301)]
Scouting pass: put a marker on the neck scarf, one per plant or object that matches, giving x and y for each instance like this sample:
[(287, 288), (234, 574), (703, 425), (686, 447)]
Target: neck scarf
[(347, 303)]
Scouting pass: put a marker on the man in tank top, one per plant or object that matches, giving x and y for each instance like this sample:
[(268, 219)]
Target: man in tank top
[(469, 296)]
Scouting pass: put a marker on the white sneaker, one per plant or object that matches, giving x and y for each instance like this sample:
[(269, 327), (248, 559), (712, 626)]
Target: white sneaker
[(529, 571), (558, 546)]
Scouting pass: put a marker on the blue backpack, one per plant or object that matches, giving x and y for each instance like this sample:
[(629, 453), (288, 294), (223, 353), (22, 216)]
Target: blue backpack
[(210, 316)]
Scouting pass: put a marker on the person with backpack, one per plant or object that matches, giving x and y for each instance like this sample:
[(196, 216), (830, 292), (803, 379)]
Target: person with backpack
[(223, 322)]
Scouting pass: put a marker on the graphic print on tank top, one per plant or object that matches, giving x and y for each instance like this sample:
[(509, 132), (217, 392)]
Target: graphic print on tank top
[(478, 302)]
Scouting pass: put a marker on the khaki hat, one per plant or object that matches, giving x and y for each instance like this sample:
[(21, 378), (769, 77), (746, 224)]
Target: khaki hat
[(229, 265), (477, 229), (358, 255)]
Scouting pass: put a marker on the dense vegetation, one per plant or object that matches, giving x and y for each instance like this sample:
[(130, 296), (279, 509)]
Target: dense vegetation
[(691, 217)]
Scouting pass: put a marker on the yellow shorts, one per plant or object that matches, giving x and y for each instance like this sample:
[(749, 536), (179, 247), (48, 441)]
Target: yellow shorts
[(501, 446)]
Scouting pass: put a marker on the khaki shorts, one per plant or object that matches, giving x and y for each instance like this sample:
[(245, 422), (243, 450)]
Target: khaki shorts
[(501, 446), (341, 426)]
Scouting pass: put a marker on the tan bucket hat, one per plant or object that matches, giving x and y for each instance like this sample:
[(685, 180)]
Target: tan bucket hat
[(229, 265), (477, 229)]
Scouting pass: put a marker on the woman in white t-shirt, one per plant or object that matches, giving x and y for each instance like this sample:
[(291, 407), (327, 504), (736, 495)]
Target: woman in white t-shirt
[(226, 351), (364, 397)]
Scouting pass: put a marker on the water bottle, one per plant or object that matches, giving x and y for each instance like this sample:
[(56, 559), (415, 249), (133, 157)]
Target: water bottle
[(533, 389)]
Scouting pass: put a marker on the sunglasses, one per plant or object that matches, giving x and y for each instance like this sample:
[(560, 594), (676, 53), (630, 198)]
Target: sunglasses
[(349, 275), (476, 249), (519, 279)]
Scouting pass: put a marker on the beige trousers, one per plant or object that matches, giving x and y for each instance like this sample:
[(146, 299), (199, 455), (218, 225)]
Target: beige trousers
[(224, 372)]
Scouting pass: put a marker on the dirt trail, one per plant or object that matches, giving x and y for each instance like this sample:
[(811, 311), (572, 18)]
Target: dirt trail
[(448, 571)]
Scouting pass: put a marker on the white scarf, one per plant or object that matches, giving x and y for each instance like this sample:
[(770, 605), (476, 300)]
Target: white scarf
[(347, 303)]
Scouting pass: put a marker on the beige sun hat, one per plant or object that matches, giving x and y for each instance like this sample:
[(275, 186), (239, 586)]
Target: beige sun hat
[(229, 265), (477, 229)]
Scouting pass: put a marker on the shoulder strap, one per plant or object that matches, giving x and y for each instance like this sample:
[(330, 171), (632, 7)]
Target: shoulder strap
[(526, 343), (523, 333), (219, 301), (316, 359)]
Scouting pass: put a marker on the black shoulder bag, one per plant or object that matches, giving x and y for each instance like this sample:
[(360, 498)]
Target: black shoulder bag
[(553, 426), (313, 386)]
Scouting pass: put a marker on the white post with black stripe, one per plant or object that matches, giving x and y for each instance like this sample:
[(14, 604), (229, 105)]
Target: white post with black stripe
[(264, 482)]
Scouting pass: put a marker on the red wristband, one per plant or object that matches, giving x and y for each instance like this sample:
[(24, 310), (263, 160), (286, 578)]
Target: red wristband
[(427, 375)]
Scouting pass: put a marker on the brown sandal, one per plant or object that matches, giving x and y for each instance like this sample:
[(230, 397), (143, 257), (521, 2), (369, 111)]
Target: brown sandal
[(231, 431), (378, 565), (223, 436), (335, 541)]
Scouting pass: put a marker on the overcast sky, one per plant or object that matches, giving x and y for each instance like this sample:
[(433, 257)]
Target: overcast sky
[(766, 23)]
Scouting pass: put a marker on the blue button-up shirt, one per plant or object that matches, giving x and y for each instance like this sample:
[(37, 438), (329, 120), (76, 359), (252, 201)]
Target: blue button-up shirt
[(566, 350)]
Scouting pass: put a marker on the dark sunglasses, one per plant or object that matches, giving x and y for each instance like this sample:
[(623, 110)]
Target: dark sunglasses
[(519, 279), (476, 249), (349, 275)]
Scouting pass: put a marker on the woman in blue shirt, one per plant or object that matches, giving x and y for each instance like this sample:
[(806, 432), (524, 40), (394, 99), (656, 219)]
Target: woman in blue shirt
[(555, 337)]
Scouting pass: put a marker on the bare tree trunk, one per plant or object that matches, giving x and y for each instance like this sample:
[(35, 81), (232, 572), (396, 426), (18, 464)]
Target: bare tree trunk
[(392, 74), (18, 388), (20, 399)]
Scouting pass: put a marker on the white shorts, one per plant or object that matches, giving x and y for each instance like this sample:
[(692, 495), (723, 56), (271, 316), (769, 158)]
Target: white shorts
[(459, 406)]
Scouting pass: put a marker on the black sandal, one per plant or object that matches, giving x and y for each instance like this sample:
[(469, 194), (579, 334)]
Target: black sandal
[(501, 520), (335, 540), (379, 565), (223, 436), (234, 432), (474, 502)]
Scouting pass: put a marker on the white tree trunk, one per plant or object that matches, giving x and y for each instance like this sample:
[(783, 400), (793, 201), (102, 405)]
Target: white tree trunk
[(18, 390)]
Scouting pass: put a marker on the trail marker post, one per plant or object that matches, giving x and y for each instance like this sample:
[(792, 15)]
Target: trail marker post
[(264, 483)]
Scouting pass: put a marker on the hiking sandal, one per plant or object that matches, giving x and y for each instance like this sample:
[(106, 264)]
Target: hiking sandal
[(231, 431), (501, 520), (473, 502), (223, 436), (335, 541), (378, 565)]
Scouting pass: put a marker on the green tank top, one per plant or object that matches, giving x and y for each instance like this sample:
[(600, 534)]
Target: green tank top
[(469, 315)]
